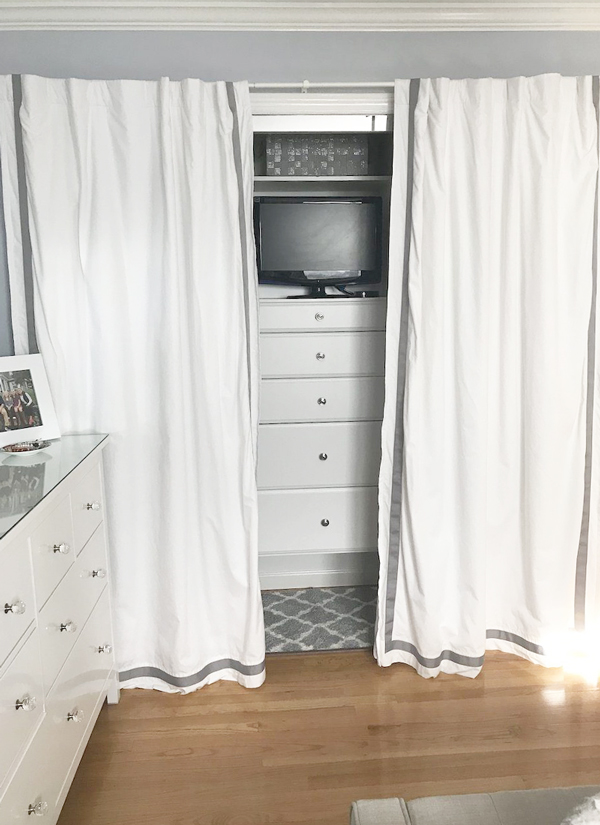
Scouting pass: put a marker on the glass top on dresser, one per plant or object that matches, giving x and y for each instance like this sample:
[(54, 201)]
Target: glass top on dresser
[(26, 480)]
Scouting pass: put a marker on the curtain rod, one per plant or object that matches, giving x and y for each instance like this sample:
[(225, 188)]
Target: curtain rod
[(305, 85)]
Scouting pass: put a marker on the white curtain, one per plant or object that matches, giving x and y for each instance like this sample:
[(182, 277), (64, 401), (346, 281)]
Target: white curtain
[(486, 423), (140, 197)]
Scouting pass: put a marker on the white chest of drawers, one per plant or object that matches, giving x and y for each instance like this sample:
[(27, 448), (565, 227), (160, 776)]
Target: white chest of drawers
[(322, 366), (56, 643)]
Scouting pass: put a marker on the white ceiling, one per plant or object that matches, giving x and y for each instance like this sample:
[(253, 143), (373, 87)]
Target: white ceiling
[(301, 15)]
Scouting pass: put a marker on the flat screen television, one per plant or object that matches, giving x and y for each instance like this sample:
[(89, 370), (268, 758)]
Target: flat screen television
[(318, 242)]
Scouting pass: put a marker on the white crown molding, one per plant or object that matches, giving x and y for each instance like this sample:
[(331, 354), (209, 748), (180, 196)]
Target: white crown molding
[(300, 15)]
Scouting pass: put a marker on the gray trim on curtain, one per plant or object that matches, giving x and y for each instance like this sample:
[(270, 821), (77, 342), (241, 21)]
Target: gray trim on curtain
[(582, 554), (6, 335), (194, 678), (24, 216), (397, 479)]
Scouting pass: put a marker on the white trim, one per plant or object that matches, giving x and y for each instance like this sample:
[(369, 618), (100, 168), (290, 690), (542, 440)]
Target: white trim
[(318, 569), (323, 102), (301, 15)]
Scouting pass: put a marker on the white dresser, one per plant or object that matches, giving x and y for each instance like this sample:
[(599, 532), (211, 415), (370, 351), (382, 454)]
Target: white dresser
[(322, 365), (56, 646)]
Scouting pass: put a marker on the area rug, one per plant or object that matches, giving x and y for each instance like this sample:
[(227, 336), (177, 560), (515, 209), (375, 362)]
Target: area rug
[(319, 618)]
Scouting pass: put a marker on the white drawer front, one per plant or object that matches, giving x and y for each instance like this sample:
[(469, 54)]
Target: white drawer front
[(67, 610), (321, 399), (292, 521), (328, 314), (16, 595), (52, 550), (88, 506), (35, 784), (358, 353), (78, 687), (319, 455), (21, 702), (92, 568)]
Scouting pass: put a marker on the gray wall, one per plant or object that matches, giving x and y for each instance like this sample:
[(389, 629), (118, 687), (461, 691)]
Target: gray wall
[(289, 56)]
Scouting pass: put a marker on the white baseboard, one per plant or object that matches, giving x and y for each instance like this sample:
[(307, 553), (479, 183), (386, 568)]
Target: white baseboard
[(289, 570)]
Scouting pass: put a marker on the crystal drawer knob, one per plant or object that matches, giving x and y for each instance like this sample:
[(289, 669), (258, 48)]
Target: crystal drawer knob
[(17, 607), (319, 316), (37, 809), (100, 573), (94, 505), (322, 456), (322, 401), (76, 715), (68, 627), (104, 649), (325, 522), (27, 703), (320, 356), (61, 548)]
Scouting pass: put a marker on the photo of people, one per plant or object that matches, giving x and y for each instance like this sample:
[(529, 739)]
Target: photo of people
[(19, 408)]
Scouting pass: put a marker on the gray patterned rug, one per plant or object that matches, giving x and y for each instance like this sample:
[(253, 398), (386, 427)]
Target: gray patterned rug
[(319, 618)]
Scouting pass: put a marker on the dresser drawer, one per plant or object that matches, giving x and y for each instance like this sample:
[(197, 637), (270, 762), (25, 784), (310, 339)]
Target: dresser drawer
[(358, 353), (292, 521), (52, 550), (92, 566), (71, 702), (67, 610), (329, 314), (319, 455), (21, 702), (35, 785), (321, 399), (88, 505), (16, 595)]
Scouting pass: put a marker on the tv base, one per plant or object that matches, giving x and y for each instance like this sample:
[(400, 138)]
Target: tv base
[(316, 294)]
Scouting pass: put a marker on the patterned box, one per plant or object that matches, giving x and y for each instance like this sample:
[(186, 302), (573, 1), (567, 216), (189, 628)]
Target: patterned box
[(290, 155)]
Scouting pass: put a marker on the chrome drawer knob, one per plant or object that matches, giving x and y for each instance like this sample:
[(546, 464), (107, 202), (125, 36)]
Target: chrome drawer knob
[(104, 649), (76, 715), (61, 548), (17, 607), (100, 573), (68, 627), (94, 505), (320, 356), (38, 809), (322, 456), (322, 401), (27, 703), (319, 316), (325, 522)]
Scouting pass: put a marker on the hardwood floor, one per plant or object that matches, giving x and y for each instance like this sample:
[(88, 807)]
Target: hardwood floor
[(327, 728)]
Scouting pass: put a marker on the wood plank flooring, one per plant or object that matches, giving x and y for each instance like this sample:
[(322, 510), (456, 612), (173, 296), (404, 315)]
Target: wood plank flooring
[(327, 728)]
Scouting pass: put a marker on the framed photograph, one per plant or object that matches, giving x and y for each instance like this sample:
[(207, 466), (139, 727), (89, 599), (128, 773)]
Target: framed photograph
[(26, 408)]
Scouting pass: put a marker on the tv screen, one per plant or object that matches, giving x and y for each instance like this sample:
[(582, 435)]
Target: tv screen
[(308, 240)]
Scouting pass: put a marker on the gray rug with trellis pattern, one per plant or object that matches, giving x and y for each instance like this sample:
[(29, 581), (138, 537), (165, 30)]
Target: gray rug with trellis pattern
[(319, 618)]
